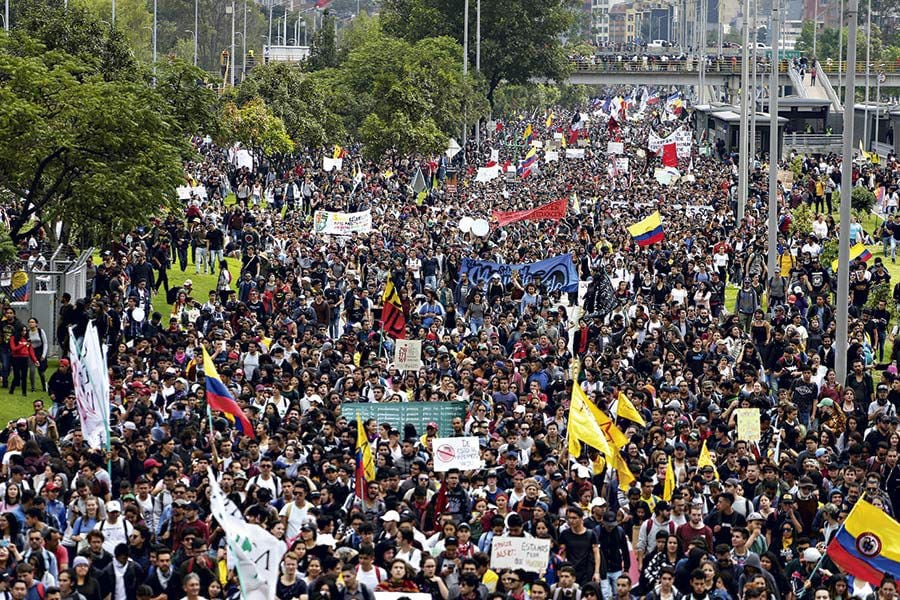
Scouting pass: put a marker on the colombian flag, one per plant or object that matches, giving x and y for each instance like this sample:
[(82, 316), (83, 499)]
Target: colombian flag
[(857, 252), (219, 398), (868, 544), (648, 231), (365, 464), (528, 134)]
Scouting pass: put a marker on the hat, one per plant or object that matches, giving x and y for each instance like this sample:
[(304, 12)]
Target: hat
[(882, 386), (825, 402), (519, 410), (22, 422), (463, 526), (431, 425), (240, 475), (188, 283), (755, 516), (598, 502), (81, 561), (151, 462), (451, 541), (391, 515), (787, 498), (820, 452), (130, 426), (610, 517), (806, 482), (811, 555), (64, 362), (732, 481), (113, 506), (326, 539)]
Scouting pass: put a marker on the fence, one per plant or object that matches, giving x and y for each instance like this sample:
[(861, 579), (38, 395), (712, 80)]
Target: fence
[(35, 286), (812, 143)]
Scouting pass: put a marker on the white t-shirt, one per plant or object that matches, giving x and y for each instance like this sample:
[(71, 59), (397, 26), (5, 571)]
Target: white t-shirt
[(114, 533), (296, 518)]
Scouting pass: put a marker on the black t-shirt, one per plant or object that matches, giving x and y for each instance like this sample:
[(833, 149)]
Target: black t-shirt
[(724, 523), (216, 239), (580, 553)]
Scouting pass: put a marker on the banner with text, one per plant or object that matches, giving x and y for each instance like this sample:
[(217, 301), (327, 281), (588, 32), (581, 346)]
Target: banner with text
[(556, 274), (337, 223), (408, 355), (552, 211), (528, 554), (399, 414), (463, 453), (681, 137)]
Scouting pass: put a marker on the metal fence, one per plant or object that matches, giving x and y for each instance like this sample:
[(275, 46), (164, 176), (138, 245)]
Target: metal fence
[(35, 286)]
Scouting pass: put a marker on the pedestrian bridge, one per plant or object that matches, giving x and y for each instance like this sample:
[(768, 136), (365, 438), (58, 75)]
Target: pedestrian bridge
[(603, 70)]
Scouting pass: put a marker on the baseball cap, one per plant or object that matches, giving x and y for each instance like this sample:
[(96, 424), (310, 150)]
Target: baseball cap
[(391, 515), (151, 462), (811, 555), (113, 506)]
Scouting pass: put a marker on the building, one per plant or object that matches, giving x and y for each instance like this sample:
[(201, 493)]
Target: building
[(642, 21), (600, 21), (621, 23)]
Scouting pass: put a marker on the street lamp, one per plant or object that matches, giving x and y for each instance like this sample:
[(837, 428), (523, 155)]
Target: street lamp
[(244, 60), (193, 35)]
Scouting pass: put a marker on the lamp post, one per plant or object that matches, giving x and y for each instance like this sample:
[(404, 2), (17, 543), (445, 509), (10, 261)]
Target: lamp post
[(478, 65), (154, 34), (243, 44), (465, 68), (744, 141), (196, 30), (230, 9), (113, 20), (194, 35), (773, 145), (868, 56), (6, 15), (843, 287)]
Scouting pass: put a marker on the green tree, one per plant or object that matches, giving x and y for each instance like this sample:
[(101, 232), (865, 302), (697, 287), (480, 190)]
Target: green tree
[(520, 39), (401, 96), (828, 44), (192, 104), (254, 126), (133, 19), (323, 53), (94, 154), (297, 99)]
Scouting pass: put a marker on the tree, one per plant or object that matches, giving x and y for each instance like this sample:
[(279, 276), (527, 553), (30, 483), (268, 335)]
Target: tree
[(323, 52), (828, 44), (297, 99), (192, 104), (77, 148), (133, 19), (407, 97), (520, 39), (254, 126)]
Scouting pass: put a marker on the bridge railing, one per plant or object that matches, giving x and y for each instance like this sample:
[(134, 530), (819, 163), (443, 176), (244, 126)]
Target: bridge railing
[(730, 67), (888, 68), (813, 143)]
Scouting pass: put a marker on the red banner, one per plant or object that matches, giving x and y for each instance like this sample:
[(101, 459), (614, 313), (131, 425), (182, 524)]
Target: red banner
[(554, 211)]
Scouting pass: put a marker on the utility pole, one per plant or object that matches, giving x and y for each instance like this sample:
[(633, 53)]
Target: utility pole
[(465, 68), (6, 15), (113, 21), (840, 49), (154, 36), (478, 65), (196, 30), (755, 86), (271, 8), (772, 266), (244, 45), (843, 287), (815, 26), (232, 44), (868, 68), (744, 141)]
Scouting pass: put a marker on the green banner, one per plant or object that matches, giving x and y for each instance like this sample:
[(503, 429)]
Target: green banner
[(399, 414)]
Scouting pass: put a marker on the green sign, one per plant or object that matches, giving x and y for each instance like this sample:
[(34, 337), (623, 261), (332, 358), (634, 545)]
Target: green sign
[(399, 414)]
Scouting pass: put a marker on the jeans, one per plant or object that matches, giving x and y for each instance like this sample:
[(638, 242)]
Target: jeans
[(20, 374), (5, 362), (200, 262), (608, 584), (215, 257)]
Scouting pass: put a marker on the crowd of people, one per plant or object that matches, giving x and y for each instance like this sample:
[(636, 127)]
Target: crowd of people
[(698, 329)]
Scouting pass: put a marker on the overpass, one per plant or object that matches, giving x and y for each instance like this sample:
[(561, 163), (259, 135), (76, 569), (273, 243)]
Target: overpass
[(890, 70), (727, 72)]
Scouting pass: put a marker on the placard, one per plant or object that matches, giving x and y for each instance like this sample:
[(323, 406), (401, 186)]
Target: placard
[(528, 554), (681, 137), (574, 152), (337, 223), (748, 424), (398, 414), (408, 355), (615, 148), (463, 453), (551, 156)]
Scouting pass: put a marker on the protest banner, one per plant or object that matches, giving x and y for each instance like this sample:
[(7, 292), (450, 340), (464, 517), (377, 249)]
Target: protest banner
[(622, 165), (486, 174), (330, 164), (408, 355), (337, 223), (786, 177), (552, 211), (185, 192), (551, 156), (89, 376), (574, 152), (463, 453), (528, 554), (681, 137), (555, 274), (748, 424), (401, 413), (615, 148)]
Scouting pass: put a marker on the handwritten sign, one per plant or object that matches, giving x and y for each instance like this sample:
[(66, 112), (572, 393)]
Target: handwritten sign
[(748, 424), (339, 223), (463, 453), (615, 148), (528, 554), (681, 137), (408, 355)]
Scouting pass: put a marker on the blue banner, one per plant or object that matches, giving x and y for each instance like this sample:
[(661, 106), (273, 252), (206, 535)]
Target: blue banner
[(556, 274)]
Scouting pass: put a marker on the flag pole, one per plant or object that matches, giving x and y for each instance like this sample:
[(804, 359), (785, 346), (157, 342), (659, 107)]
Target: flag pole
[(834, 537)]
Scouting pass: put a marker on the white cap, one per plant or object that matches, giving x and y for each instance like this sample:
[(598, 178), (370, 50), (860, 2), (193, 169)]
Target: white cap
[(326, 539), (113, 506), (391, 515)]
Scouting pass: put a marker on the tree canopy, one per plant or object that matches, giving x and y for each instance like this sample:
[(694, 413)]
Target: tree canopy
[(520, 39), (254, 126)]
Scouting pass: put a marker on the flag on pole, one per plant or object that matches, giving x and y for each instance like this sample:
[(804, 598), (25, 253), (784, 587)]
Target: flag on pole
[(670, 155), (705, 460), (338, 152), (528, 135), (626, 410), (583, 426), (252, 551), (549, 121), (219, 398), (91, 380), (867, 545), (669, 485), (365, 464), (626, 477), (419, 186), (857, 252), (393, 321)]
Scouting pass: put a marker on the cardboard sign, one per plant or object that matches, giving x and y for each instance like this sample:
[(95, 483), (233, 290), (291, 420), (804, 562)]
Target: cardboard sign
[(463, 453), (748, 424), (408, 355), (528, 554)]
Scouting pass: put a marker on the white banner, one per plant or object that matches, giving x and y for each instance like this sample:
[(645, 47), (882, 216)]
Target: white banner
[(253, 551), (241, 158), (408, 355), (622, 165), (551, 155), (616, 147), (329, 164), (486, 174), (495, 155), (185, 191), (574, 152), (528, 554), (91, 379), (463, 453), (681, 137), (337, 223), (666, 176)]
